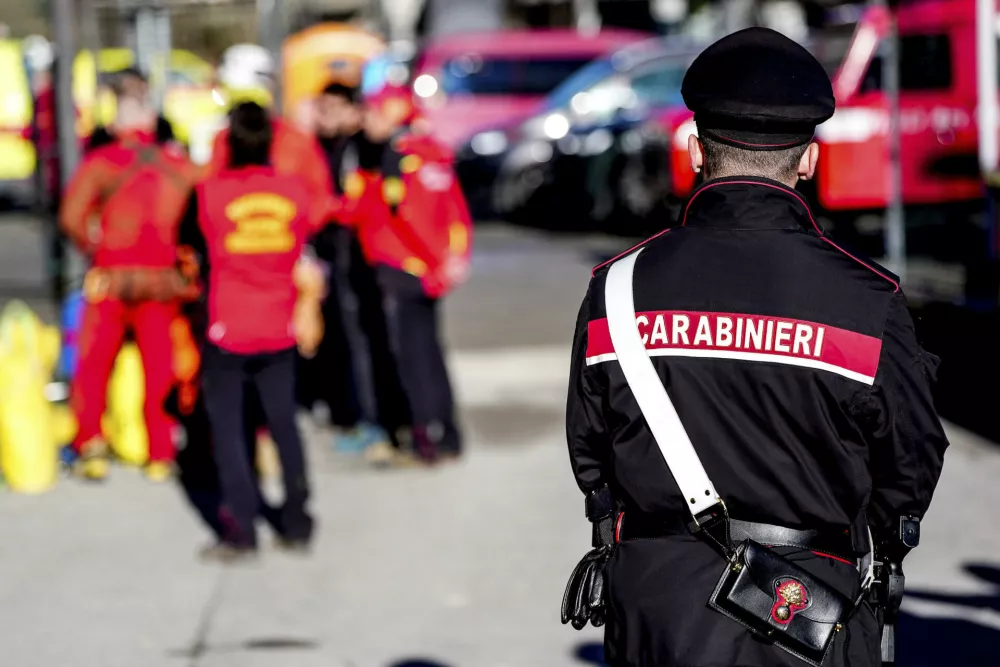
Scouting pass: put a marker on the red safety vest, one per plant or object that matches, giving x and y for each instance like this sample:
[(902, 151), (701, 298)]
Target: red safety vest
[(413, 216), (255, 223), (139, 190)]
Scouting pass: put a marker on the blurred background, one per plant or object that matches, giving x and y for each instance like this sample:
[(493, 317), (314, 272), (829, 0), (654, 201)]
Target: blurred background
[(569, 136)]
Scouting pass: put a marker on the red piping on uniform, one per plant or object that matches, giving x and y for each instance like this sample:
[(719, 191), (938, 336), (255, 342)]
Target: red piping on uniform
[(831, 556), (747, 143), (618, 527), (893, 282), (619, 256), (808, 212)]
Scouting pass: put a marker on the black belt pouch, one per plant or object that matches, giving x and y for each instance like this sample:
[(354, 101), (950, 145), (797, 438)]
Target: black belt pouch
[(774, 598)]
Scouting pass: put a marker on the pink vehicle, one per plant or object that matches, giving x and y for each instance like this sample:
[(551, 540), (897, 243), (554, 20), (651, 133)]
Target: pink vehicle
[(465, 83)]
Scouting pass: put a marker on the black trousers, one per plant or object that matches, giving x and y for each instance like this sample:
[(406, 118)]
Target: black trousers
[(224, 376), (198, 472), (328, 377), (657, 589), (412, 319), (354, 371)]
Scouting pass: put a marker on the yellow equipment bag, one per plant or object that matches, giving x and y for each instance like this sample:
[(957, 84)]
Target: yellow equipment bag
[(124, 423), (28, 448), (307, 318)]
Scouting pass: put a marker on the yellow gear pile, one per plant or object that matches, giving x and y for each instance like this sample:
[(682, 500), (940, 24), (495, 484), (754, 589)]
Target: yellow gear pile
[(31, 427), (124, 424)]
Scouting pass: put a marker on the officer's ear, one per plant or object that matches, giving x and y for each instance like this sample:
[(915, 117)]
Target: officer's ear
[(696, 153), (807, 165)]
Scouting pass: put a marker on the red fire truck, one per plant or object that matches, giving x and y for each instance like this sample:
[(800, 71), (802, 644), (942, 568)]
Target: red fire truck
[(937, 122)]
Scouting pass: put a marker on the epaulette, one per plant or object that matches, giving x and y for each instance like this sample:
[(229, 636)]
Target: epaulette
[(606, 264), (869, 264)]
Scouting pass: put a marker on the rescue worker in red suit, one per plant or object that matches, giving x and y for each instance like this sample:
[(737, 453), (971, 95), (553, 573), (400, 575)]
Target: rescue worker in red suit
[(292, 152), (254, 223), (414, 228), (122, 209)]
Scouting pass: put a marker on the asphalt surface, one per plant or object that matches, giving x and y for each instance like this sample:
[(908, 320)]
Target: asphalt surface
[(461, 566)]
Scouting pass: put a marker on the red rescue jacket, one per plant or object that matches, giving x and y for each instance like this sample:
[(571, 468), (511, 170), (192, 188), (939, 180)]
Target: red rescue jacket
[(293, 153), (137, 192), (413, 215), (255, 223)]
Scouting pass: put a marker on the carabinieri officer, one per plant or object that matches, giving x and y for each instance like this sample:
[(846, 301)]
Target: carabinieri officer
[(796, 375)]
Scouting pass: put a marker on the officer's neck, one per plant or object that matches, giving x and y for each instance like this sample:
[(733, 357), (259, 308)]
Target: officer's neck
[(790, 182)]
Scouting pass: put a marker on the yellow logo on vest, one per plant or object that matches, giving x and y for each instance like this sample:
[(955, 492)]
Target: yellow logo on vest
[(354, 185), (393, 191), (263, 224), (410, 164)]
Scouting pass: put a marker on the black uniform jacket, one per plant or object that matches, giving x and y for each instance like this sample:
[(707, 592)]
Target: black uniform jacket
[(794, 367)]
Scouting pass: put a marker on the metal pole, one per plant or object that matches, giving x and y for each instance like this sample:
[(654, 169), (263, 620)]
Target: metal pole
[(67, 265), (895, 222), (161, 56), (63, 19), (987, 120), (988, 115), (271, 29), (91, 27), (587, 17)]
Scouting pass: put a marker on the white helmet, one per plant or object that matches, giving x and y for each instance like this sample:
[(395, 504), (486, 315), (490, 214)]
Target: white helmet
[(38, 52), (247, 66)]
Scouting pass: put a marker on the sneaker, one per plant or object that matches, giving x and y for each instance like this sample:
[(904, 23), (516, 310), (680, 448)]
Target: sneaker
[(360, 439), (158, 471), (389, 457), (301, 546), (67, 459), (381, 454), (449, 457), (228, 553), (93, 463)]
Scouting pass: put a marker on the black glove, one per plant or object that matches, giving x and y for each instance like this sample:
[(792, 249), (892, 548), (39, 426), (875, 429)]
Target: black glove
[(583, 600)]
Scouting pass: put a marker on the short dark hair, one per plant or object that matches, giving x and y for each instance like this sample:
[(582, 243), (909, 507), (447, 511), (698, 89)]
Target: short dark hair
[(250, 135), (349, 93), (723, 159)]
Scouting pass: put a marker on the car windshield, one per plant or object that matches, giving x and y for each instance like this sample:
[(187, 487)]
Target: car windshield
[(654, 84), (658, 84), (473, 74), (582, 80)]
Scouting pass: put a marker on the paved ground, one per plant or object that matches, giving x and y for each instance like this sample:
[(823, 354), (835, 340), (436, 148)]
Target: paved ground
[(458, 567)]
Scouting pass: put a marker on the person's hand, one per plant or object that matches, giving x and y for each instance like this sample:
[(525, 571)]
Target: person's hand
[(455, 270), (583, 602)]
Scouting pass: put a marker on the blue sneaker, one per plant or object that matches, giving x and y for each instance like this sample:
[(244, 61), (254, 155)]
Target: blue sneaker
[(360, 438), (67, 459)]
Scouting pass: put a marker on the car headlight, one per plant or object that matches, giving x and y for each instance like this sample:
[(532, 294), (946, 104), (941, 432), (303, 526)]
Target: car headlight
[(556, 126), (425, 86), (493, 142)]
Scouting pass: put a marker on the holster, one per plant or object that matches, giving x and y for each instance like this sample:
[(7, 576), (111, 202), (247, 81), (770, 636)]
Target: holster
[(774, 598)]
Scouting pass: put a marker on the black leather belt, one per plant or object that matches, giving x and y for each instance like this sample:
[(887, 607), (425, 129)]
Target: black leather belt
[(828, 542)]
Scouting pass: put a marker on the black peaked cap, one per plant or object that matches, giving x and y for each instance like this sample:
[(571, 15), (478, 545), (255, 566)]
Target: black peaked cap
[(758, 89)]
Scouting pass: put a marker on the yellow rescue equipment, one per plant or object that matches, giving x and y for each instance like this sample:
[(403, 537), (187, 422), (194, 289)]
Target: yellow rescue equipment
[(124, 424), (307, 318), (28, 421)]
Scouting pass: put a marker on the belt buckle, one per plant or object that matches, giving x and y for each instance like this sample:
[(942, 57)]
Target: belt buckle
[(709, 515)]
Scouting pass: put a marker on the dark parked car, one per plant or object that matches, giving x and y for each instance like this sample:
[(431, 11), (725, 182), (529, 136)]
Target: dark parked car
[(591, 158)]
